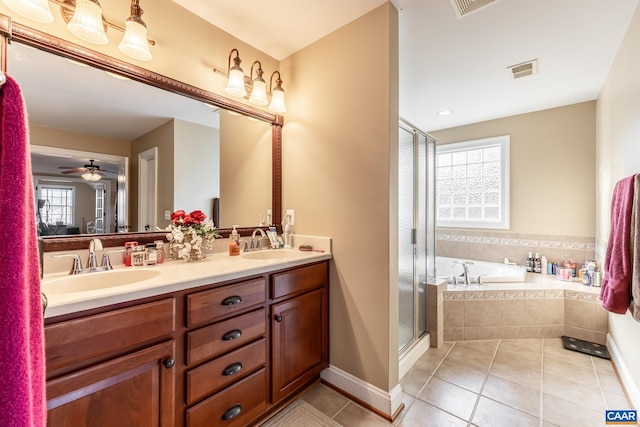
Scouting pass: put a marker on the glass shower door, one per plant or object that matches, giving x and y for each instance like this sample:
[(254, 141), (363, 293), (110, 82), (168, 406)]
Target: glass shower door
[(416, 246), (406, 235)]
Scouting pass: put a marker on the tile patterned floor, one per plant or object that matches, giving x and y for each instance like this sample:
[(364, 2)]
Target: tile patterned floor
[(529, 382)]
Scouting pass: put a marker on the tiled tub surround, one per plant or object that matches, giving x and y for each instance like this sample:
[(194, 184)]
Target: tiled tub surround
[(541, 307), (495, 246)]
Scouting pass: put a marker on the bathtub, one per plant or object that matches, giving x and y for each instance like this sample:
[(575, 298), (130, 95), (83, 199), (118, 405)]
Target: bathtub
[(490, 272)]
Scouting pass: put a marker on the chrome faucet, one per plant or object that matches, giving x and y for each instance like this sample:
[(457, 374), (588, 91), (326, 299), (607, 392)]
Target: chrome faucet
[(256, 245), (465, 268), (92, 263), (94, 245)]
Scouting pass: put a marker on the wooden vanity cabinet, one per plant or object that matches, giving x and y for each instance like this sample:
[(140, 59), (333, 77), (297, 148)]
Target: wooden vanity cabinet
[(300, 327), (219, 355), (113, 368)]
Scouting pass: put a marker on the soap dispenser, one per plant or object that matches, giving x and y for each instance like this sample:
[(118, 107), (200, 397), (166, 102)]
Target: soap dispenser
[(234, 242)]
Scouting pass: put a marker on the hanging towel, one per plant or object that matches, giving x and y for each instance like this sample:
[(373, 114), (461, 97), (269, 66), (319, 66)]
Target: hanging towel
[(634, 307), (616, 285), (22, 363)]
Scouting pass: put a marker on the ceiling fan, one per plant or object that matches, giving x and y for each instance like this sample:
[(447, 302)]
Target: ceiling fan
[(92, 172)]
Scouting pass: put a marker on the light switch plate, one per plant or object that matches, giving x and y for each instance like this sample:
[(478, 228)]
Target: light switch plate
[(290, 213), (167, 215)]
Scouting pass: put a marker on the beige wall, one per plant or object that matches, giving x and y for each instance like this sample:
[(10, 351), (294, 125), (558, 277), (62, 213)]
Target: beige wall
[(51, 137), (245, 174), (338, 139), (161, 137), (552, 167), (617, 157)]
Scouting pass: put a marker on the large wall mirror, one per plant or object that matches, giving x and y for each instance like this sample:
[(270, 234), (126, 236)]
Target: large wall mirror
[(115, 148)]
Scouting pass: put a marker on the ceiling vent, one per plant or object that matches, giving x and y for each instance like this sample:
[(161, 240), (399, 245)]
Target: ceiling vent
[(524, 69), (465, 7)]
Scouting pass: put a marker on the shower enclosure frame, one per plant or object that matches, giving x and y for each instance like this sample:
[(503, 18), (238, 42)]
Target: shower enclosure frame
[(417, 205)]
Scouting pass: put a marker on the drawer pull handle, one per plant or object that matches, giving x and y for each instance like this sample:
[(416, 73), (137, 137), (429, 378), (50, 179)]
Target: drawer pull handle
[(232, 412), (234, 368), (169, 363), (232, 300), (278, 318), (232, 335)]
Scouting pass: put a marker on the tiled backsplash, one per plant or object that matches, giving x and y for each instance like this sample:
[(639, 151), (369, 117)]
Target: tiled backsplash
[(495, 246)]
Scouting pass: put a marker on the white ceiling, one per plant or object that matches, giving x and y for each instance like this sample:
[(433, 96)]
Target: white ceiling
[(451, 63)]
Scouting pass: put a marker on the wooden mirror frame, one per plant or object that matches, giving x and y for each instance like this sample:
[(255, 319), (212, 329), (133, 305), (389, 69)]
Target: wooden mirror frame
[(13, 31)]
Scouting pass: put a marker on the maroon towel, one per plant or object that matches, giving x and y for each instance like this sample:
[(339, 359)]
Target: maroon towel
[(22, 363), (616, 285)]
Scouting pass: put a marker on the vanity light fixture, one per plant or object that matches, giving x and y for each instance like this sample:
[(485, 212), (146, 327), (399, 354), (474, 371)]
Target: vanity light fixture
[(134, 42), (84, 20), (259, 90), (238, 84), (235, 84), (277, 95), (91, 176), (36, 10)]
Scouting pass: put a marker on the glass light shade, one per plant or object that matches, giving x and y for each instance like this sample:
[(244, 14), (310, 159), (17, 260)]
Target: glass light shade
[(134, 43), (259, 93), (235, 86), (87, 22), (36, 10), (277, 102), (91, 176)]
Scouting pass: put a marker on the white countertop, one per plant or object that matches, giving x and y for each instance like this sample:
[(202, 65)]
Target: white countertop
[(174, 276)]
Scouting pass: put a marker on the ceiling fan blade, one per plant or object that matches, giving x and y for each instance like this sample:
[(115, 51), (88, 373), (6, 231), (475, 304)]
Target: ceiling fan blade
[(74, 170)]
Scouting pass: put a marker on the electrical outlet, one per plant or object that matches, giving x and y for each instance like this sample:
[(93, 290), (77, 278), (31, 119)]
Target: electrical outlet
[(290, 214), (167, 215)]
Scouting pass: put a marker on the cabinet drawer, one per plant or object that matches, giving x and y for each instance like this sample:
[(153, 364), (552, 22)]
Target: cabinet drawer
[(234, 406), (225, 336), (207, 306), (225, 370), (80, 339), (299, 280)]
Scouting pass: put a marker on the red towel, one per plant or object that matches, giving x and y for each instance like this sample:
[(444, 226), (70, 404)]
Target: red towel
[(22, 363), (616, 285)]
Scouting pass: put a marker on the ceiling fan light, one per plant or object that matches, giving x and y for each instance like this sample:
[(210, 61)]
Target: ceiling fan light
[(134, 43), (91, 176), (36, 10), (87, 22)]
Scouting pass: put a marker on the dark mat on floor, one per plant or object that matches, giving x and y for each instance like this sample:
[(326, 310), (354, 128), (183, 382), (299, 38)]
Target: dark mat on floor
[(586, 347)]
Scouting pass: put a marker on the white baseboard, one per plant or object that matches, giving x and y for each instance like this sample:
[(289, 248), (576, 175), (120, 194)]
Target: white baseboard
[(385, 402), (623, 371), (412, 355)]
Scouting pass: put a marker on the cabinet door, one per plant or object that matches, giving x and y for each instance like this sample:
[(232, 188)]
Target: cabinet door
[(300, 341), (133, 390)]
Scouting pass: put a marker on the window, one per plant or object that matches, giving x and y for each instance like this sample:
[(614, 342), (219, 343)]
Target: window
[(60, 206), (472, 183)]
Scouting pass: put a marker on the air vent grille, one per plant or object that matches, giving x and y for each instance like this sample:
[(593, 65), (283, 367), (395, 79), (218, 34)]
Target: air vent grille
[(465, 7), (524, 69)]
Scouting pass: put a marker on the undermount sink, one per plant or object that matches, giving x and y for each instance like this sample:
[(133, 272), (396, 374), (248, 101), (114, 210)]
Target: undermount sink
[(271, 254), (95, 281)]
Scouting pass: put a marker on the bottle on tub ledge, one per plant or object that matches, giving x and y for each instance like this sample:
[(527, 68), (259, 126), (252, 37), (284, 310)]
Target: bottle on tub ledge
[(537, 265), (530, 262)]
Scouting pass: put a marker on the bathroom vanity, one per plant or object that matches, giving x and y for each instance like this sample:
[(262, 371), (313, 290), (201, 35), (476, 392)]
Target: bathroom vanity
[(222, 350)]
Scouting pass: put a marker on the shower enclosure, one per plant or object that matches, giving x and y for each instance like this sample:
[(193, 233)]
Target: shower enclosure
[(416, 246)]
